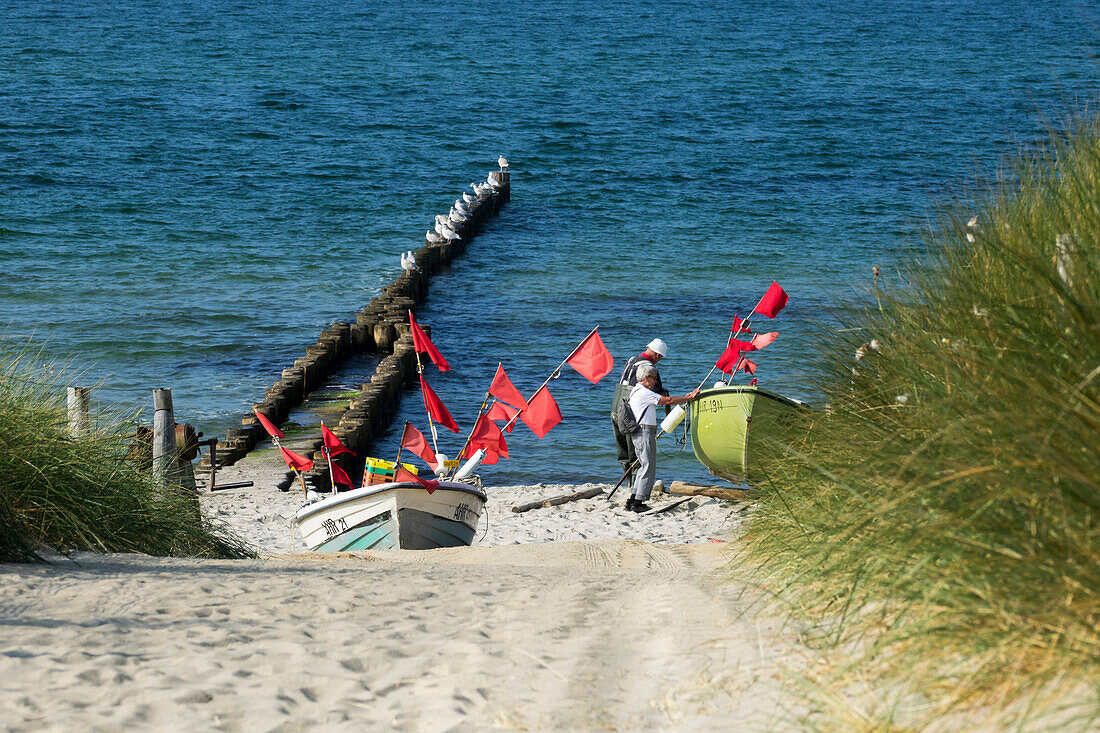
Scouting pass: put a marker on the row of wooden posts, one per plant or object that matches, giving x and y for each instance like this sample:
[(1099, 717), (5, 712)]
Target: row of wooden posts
[(167, 449), (382, 326)]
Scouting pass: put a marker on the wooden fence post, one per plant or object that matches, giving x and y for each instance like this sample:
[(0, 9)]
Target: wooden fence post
[(1064, 250), (164, 438), (79, 410)]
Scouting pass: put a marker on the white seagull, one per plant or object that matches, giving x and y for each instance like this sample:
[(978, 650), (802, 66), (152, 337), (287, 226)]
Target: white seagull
[(471, 201), (449, 233), (408, 261), (457, 216), (481, 189), (432, 237), (493, 182), (503, 163), (462, 207)]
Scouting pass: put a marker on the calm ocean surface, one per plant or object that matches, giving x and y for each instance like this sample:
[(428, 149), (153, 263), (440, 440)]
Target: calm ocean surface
[(191, 193)]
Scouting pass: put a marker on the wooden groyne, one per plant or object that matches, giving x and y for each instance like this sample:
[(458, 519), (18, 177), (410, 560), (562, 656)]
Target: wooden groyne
[(380, 327)]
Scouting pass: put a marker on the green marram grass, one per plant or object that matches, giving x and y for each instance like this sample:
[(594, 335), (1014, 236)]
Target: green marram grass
[(65, 493), (943, 509)]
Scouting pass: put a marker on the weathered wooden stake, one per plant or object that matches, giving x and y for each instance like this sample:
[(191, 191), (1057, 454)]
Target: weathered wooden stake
[(79, 410), (164, 438), (1063, 257)]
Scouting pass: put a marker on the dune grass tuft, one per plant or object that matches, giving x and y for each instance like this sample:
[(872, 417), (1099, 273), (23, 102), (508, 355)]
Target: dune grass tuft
[(944, 507), (66, 493)]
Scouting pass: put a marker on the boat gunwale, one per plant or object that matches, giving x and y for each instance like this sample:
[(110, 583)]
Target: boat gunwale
[(364, 492), (750, 389)]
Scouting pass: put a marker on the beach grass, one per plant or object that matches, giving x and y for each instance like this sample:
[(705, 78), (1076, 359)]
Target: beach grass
[(940, 519), (63, 493)]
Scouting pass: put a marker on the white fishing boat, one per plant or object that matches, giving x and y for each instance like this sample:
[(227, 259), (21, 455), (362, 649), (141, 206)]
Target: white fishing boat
[(395, 515)]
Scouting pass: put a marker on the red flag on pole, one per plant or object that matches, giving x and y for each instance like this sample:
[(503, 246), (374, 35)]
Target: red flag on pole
[(503, 389), (488, 436), (422, 343), (414, 440), (772, 302), (542, 412), (761, 340), (502, 411), (296, 461), (436, 408), (732, 353), (332, 443), (592, 359), (400, 473), (339, 476), (738, 325), (269, 426), (746, 366)]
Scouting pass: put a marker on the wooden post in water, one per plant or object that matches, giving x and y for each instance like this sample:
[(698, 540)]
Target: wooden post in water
[(164, 438), (79, 402)]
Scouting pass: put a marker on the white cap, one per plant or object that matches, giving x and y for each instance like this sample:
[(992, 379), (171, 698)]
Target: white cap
[(657, 346)]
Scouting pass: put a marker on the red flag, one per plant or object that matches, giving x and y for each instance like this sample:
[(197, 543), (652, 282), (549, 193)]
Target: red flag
[(296, 461), (400, 473), (761, 340), (542, 412), (738, 325), (505, 412), (435, 407), (413, 439), (332, 443), (488, 436), (269, 426), (340, 477), (503, 389), (732, 353), (772, 302), (592, 359), (421, 343), (746, 366)]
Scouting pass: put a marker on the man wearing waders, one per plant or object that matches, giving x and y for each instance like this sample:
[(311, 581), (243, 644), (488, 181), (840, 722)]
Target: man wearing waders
[(624, 446)]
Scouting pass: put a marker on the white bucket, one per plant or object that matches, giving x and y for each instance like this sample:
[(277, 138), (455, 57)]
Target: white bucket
[(470, 465), (673, 418)]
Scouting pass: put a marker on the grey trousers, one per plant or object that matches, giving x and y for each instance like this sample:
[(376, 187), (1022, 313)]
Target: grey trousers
[(645, 445)]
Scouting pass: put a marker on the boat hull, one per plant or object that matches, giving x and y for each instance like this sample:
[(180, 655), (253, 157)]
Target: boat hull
[(399, 515), (727, 424)]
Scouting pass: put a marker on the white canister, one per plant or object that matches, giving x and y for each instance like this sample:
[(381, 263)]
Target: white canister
[(470, 465), (673, 418)]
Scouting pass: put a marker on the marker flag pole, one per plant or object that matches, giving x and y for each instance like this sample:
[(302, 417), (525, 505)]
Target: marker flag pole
[(741, 328)]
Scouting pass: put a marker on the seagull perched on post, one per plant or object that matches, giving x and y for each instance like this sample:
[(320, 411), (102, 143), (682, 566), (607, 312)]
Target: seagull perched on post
[(432, 237), (481, 189), (449, 233), (471, 201), (408, 262), (503, 163)]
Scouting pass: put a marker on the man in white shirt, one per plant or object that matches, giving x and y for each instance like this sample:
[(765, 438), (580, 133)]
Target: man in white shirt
[(643, 402)]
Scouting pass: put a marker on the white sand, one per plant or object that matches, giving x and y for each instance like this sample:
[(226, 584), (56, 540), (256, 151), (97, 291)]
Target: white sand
[(607, 633)]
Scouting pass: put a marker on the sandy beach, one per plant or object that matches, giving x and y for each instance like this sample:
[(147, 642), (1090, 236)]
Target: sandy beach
[(575, 617)]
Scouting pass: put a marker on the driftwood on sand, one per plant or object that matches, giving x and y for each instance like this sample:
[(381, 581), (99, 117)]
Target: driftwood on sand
[(683, 488), (587, 494)]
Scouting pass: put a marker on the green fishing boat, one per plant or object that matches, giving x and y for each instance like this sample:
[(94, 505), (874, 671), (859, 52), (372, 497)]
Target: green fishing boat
[(728, 422)]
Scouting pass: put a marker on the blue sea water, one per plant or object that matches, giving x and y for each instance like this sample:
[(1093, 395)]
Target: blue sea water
[(190, 192)]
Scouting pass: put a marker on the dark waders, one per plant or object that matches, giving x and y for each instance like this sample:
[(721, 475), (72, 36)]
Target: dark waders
[(624, 446)]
